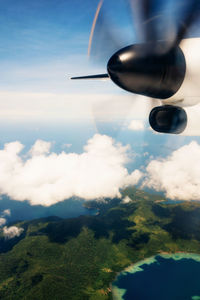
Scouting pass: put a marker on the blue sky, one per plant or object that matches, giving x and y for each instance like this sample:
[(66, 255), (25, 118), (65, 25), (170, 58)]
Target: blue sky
[(43, 29), (43, 43), (41, 39)]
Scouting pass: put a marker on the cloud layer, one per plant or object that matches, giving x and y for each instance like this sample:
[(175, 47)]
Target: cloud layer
[(178, 175), (43, 177), (45, 107), (46, 178)]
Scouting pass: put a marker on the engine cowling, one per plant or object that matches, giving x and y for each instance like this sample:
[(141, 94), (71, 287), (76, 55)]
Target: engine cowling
[(168, 119)]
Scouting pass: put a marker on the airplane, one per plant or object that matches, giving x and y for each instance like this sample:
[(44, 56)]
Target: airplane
[(168, 70)]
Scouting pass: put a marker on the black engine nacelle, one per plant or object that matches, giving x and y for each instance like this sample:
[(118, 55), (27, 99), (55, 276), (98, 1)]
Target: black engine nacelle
[(168, 119)]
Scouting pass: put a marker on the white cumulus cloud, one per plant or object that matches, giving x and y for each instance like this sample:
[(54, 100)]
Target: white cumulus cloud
[(178, 175), (12, 231), (6, 212), (126, 200), (2, 221), (136, 125), (40, 147), (46, 178)]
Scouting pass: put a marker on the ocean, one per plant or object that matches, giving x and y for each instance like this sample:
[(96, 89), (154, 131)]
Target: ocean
[(22, 210), (163, 277)]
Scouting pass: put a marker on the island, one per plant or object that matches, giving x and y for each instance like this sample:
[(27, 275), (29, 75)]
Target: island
[(79, 258)]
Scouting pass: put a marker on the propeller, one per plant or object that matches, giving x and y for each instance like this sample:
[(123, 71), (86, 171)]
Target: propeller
[(106, 39), (152, 21), (160, 25)]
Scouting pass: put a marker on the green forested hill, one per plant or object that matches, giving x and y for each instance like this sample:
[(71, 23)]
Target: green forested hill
[(79, 258)]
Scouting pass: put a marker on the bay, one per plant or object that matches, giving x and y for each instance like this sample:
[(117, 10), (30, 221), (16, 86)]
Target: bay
[(162, 277)]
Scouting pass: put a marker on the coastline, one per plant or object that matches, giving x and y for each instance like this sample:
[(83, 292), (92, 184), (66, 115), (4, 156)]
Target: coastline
[(136, 267)]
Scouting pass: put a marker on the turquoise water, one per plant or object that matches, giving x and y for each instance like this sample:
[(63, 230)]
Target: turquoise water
[(163, 277)]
